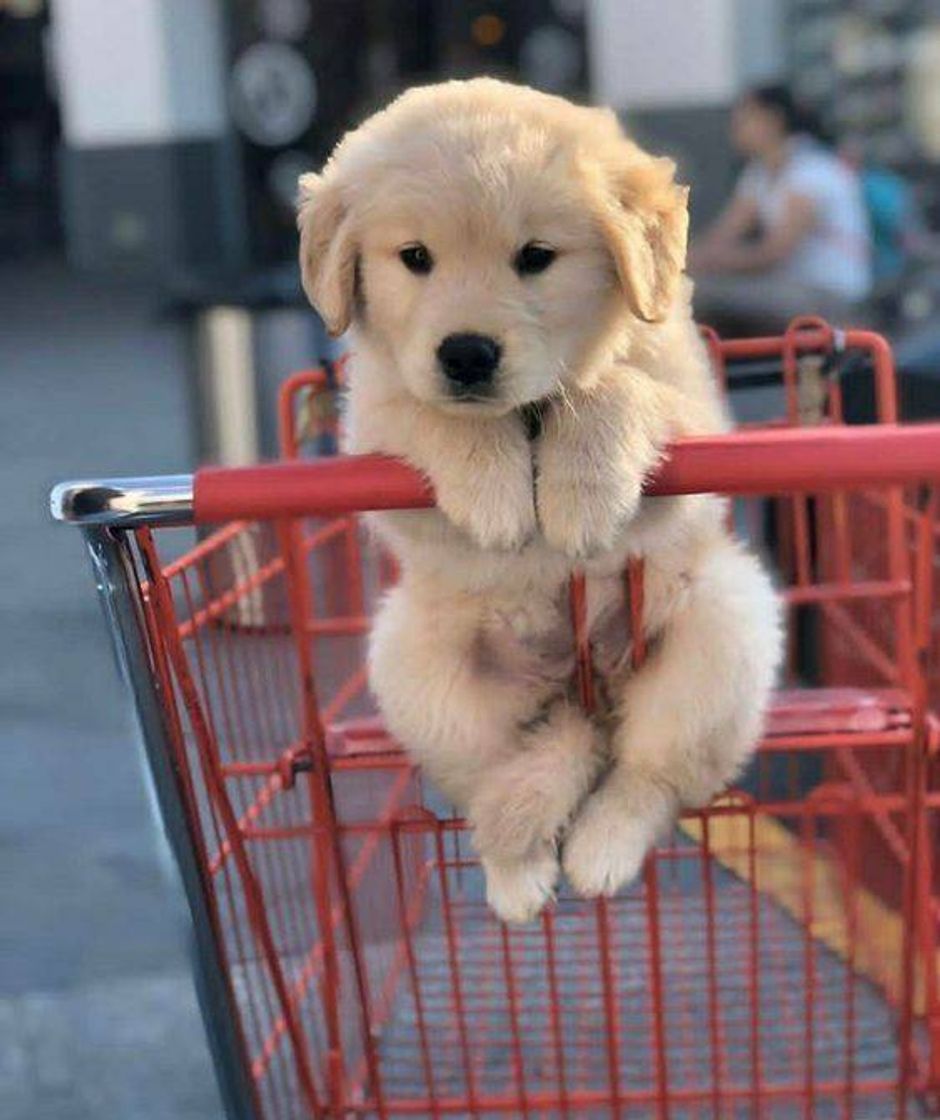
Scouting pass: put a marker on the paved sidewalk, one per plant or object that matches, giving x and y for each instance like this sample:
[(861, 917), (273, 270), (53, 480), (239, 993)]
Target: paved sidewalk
[(97, 1015)]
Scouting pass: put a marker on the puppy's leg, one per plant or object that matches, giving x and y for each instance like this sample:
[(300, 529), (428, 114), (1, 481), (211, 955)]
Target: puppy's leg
[(516, 765), (480, 467), (518, 890), (689, 718), (524, 802), (521, 806), (596, 448)]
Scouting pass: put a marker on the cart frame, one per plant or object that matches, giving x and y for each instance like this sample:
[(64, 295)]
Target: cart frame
[(795, 460)]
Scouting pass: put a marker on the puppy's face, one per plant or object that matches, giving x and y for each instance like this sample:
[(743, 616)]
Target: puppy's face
[(488, 239), (484, 294)]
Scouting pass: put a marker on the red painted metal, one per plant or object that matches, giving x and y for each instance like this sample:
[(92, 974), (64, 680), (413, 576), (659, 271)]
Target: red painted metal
[(775, 461), (778, 957)]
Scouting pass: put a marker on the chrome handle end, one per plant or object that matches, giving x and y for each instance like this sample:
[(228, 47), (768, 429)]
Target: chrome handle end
[(124, 502)]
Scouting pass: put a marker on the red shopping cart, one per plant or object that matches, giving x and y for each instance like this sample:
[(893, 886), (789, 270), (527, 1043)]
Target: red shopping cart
[(779, 957)]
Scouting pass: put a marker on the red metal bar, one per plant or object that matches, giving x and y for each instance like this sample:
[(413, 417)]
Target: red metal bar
[(821, 338), (413, 972), (664, 1097), (606, 965), (635, 591), (318, 780), (916, 888), (833, 740), (259, 1004), (456, 982), (715, 353), (561, 1074), (754, 960), (807, 885), (206, 738), (315, 380), (164, 676), (577, 596), (850, 879), (803, 460), (512, 1003), (847, 589), (597, 1099), (793, 809), (711, 956)]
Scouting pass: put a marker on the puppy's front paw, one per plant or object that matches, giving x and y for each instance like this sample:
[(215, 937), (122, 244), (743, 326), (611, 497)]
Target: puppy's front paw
[(491, 500), (518, 890), (606, 846), (523, 804), (582, 517)]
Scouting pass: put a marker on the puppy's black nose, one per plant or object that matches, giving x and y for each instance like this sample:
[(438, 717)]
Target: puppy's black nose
[(469, 360)]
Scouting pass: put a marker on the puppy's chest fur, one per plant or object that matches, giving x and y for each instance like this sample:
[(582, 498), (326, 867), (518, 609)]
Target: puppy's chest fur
[(531, 639)]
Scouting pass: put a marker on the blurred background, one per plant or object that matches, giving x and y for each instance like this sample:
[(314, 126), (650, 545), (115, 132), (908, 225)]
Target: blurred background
[(150, 305)]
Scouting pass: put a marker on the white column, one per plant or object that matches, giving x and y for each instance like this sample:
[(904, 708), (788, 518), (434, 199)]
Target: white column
[(121, 66), (663, 54)]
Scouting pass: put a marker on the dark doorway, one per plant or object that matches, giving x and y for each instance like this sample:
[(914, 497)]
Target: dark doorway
[(29, 135)]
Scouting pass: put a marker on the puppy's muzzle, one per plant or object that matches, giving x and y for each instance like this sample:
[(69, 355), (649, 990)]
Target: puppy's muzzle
[(469, 363)]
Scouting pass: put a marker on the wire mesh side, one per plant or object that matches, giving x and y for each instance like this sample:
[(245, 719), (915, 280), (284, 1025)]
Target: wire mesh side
[(777, 959)]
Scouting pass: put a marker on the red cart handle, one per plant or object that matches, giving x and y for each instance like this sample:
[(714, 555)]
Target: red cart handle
[(808, 460)]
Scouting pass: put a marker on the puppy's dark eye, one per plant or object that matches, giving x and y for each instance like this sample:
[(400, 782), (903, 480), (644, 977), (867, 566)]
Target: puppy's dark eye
[(416, 258), (533, 258)]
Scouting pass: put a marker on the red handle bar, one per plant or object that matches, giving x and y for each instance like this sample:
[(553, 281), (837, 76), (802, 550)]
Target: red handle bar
[(809, 460)]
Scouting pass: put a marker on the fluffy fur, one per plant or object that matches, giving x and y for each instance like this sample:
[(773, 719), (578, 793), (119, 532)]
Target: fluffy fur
[(471, 655)]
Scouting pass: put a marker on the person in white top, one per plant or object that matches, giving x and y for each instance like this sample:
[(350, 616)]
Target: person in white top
[(794, 239)]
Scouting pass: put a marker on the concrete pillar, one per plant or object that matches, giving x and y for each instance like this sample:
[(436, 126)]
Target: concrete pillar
[(673, 67), (148, 173)]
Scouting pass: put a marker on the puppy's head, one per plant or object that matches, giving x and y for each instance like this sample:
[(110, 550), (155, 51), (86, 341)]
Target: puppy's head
[(488, 241)]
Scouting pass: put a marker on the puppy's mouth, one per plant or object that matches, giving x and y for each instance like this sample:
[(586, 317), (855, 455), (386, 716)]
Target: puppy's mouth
[(485, 397), (478, 405), (492, 402), (496, 396), (471, 394)]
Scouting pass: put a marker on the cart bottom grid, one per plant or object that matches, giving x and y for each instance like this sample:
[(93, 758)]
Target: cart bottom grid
[(766, 1011)]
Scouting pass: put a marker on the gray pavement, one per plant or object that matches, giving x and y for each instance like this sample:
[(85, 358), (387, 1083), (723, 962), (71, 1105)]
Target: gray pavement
[(98, 1020)]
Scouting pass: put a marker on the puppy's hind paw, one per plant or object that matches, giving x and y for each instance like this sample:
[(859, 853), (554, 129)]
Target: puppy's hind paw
[(519, 890), (606, 847)]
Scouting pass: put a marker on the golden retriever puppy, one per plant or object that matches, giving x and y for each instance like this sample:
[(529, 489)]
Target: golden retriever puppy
[(511, 267)]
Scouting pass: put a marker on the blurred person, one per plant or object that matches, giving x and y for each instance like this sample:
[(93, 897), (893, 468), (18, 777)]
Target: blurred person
[(901, 235), (894, 217), (794, 238)]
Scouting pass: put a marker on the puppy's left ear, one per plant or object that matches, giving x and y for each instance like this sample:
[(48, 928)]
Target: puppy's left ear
[(644, 216), (327, 249)]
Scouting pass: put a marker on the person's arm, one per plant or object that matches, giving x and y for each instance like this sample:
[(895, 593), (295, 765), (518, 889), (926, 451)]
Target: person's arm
[(738, 219), (796, 221)]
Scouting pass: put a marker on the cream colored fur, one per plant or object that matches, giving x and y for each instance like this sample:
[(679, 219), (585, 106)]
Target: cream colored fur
[(471, 655)]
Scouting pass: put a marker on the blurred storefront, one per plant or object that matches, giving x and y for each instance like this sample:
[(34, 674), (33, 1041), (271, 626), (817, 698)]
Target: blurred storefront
[(185, 123), (873, 70)]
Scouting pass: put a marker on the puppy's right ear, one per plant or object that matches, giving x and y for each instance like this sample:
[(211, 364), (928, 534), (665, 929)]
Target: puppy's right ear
[(327, 250)]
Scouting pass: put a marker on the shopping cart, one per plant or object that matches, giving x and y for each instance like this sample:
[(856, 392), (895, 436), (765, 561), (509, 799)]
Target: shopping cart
[(779, 957)]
